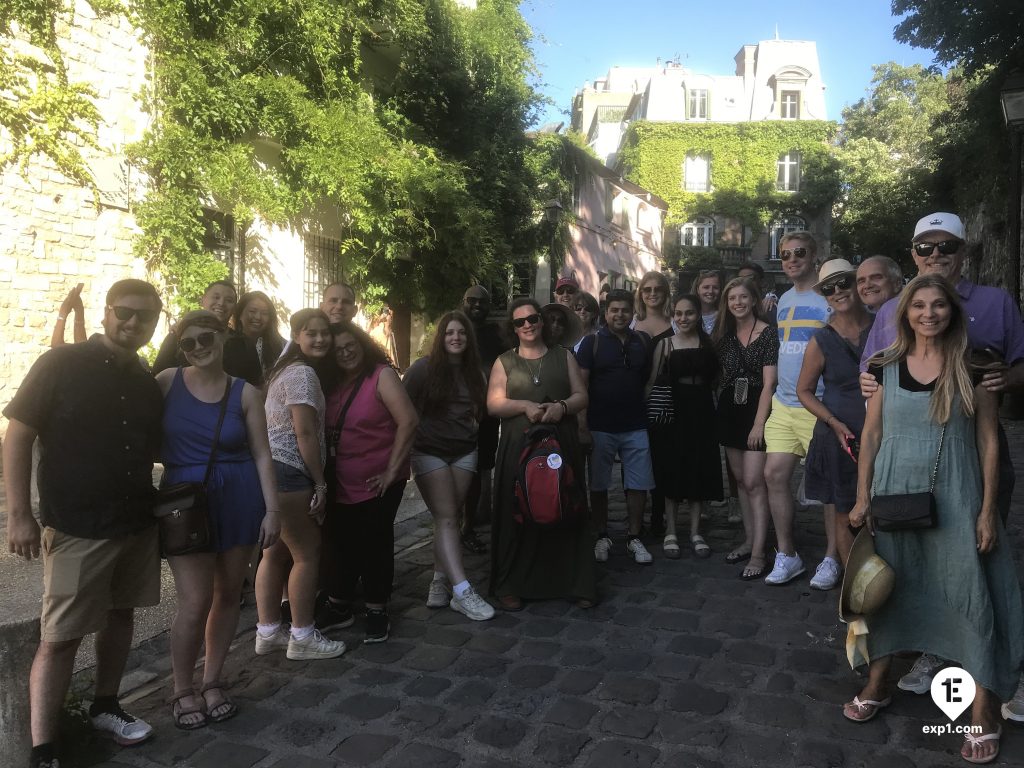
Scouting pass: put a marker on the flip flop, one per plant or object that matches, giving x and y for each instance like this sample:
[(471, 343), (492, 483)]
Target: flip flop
[(753, 571), (226, 708), (737, 557), (973, 740), (866, 710), (179, 711), (700, 547), (671, 546)]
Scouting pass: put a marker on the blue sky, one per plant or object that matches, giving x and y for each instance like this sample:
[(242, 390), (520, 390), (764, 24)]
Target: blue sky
[(576, 41)]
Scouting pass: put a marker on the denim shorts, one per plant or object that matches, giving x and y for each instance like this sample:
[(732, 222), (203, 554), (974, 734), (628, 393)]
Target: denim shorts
[(633, 448), (290, 479), (423, 463)]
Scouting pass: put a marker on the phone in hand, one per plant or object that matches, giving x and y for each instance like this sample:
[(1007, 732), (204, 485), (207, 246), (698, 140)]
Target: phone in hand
[(852, 448)]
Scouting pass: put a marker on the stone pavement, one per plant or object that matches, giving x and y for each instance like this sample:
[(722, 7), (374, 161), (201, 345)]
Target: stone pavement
[(680, 664)]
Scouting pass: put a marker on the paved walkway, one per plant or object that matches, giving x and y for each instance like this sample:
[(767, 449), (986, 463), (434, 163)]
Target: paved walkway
[(681, 664)]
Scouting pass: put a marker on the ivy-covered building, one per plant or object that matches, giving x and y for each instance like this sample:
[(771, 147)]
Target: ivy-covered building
[(740, 159)]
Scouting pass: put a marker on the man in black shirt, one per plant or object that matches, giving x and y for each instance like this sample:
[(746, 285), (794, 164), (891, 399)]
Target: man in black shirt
[(476, 304), (96, 413)]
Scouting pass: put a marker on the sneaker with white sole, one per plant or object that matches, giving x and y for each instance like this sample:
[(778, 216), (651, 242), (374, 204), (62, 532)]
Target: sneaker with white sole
[(439, 593), (786, 568), (602, 548), (919, 678), (276, 642), (636, 548), (121, 727), (314, 646), (826, 576), (1014, 708), (472, 605)]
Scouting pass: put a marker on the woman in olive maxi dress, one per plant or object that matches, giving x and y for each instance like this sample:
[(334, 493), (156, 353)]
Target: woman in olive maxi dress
[(534, 384)]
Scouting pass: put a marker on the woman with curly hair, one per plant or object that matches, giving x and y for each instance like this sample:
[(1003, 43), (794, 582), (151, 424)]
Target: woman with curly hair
[(449, 392)]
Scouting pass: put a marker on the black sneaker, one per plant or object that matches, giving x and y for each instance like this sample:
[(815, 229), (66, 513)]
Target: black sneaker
[(378, 627), (331, 615)]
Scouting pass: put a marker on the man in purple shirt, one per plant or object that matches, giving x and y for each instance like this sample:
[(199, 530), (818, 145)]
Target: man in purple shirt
[(994, 324)]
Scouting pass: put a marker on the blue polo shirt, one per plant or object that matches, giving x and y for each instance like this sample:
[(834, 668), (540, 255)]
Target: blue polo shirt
[(617, 379)]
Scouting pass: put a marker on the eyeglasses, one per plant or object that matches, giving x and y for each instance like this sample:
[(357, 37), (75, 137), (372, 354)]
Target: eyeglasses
[(844, 283), (788, 254), (204, 339), (565, 289), (349, 349), (127, 313), (533, 319), (946, 247)]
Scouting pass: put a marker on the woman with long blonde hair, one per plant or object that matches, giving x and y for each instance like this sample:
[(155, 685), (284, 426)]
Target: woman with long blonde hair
[(929, 426)]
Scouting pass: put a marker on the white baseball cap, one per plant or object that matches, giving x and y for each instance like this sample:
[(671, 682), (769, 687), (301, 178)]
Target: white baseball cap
[(940, 222)]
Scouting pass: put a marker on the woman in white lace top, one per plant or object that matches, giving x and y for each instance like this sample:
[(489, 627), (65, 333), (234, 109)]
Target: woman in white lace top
[(295, 424)]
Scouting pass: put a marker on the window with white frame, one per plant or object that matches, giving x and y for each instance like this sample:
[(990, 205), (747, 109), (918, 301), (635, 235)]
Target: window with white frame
[(789, 105), (788, 178), (783, 227), (700, 231), (697, 173), (697, 108)]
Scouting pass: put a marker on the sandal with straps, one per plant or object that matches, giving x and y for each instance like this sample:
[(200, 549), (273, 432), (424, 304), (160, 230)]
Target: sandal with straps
[(179, 711), (700, 547), (974, 741), (860, 711), (670, 546), (223, 710)]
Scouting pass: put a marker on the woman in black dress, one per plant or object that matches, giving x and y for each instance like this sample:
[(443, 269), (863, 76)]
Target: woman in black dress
[(685, 452), (748, 352)]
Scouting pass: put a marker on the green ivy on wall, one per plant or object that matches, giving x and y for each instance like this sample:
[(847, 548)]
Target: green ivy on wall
[(743, 167)]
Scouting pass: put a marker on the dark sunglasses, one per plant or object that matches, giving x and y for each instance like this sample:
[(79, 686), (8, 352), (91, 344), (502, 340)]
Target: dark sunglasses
[(533, 319), (842, 284), (564, 290), (127, 313), (204, 339), (946, 247), (787, 254), (649, 289)]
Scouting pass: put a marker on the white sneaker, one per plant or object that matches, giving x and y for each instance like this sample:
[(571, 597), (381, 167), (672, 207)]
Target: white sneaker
[(919, 678), (122, 727), (275, 642), (636, 548), (785, 570), (315, 646), (1014, 708), (602, 548), (826, 576), (472, 605), (438, 594)]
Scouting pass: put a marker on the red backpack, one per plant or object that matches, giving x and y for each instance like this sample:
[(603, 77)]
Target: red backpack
[(545, 486)]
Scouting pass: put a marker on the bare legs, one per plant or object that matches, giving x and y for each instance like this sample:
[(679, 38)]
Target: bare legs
[(444, 490), (778, 471), (749, 469), (299, 545), (672, 507), (842, 538)]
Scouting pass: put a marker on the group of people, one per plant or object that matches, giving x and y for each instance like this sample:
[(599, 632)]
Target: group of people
[(306, 445)]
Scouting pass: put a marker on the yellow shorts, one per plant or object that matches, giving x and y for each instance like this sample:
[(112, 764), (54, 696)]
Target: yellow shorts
[(83, 579), (788, 429)]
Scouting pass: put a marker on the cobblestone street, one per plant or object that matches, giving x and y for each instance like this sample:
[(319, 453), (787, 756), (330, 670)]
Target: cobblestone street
[(681, 664)]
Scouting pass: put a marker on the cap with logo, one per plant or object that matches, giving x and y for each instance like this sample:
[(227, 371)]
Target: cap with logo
[(940, 222)]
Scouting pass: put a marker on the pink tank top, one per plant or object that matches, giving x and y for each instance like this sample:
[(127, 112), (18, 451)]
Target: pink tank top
[(367, 437)]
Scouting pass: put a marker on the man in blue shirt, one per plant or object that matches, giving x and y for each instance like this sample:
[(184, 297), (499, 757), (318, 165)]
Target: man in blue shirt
[(615, 363)]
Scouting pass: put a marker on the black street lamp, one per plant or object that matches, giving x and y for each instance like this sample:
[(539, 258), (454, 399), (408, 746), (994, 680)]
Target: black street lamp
[(1012, 99), (552, 215)]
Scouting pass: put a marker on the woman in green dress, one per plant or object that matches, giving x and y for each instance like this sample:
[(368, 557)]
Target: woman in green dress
[(956, 594), (536, 383)]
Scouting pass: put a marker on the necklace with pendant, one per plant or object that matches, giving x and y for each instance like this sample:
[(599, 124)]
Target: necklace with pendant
[(534, 375)]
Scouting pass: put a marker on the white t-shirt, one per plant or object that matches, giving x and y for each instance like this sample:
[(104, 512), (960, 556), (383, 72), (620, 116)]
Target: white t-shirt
[(297, 384)]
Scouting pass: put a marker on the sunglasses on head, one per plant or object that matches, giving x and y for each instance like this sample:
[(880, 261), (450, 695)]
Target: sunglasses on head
[(564, 290), (533, 319), (946, 247), (204, 339), (127, 313), (789, 253), (844, 283)]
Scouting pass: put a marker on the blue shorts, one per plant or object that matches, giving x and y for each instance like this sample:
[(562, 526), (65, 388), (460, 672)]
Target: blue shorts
[(635, 451), (290, 479)]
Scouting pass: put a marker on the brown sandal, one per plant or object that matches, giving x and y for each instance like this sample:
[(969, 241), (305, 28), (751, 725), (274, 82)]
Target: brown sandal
[(223, 710), (179, 711)]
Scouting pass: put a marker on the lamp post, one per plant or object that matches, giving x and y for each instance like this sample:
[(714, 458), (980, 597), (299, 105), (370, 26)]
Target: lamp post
[(1011, 98), (552, 214)]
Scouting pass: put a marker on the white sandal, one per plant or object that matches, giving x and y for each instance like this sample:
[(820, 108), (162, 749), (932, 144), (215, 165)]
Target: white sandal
[(974, 741), (671, 547)]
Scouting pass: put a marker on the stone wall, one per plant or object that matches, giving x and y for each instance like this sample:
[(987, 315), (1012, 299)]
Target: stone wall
[(52, 233)]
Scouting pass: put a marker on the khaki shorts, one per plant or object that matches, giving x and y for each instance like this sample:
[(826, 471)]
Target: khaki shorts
[(83, 579), (788, 429)]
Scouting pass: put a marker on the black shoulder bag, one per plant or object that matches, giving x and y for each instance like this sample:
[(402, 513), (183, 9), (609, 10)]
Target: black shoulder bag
[(660, 408), (182, 510), (908, 511)]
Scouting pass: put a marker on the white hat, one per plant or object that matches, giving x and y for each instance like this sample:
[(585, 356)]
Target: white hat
[(831, 268), (940, 222)]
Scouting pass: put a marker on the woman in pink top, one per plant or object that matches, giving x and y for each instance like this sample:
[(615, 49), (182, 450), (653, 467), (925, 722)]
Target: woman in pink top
[(370, 425)]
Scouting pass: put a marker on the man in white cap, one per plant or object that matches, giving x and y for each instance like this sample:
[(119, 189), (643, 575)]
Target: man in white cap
[(994, 328)]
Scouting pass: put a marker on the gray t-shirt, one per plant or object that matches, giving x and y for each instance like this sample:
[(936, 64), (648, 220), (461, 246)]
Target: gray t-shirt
[(447, 433)]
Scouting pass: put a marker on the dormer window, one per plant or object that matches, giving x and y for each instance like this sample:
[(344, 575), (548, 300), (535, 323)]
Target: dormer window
[(789, 105)]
